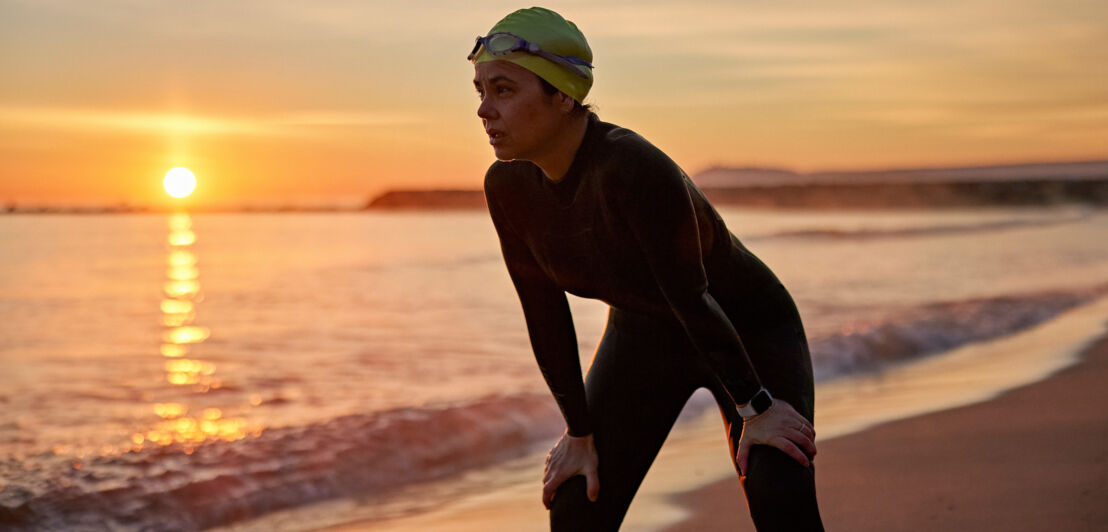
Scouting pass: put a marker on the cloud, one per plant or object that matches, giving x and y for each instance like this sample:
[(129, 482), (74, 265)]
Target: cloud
[(294, 123)]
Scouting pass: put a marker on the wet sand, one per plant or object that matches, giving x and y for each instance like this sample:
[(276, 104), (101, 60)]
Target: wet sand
[(1033, 458)]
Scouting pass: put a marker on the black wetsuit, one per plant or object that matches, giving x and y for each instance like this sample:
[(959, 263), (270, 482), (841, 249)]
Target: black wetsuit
[(690, 307)]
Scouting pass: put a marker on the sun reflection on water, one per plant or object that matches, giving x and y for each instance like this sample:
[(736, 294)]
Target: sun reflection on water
[(182, 289), (180, 257), (186, 334), (179, 309), (182, 273), (176, 306), (178, 427)]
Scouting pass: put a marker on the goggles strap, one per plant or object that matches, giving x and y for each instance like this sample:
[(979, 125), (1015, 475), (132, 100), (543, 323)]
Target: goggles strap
[(522, 45)]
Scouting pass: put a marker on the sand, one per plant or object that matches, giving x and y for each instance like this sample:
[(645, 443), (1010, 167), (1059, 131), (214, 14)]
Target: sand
[(1033, 458)]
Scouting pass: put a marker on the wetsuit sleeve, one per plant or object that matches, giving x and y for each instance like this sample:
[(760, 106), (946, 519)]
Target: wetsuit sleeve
[(549, 323), (656, 203)]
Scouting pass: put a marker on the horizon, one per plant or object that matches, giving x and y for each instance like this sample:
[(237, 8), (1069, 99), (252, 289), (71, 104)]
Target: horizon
[(260, 100), (353, 203)]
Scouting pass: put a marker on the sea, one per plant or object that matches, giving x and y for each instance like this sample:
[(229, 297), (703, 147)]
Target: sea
[(181, 371)]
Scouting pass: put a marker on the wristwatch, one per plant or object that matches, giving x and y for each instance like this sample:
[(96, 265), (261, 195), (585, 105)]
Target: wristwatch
[(757, 404)]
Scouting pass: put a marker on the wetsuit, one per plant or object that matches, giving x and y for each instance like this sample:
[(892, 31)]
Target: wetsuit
[(690, 307)]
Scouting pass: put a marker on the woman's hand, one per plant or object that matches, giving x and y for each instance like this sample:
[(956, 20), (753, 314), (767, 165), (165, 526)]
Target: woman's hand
[(570, 456), (780, 426)]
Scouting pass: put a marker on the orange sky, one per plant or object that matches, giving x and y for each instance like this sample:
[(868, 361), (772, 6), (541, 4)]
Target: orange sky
[(335, 101)]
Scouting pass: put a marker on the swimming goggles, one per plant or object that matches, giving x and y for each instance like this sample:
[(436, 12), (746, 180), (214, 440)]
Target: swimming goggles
[(502, 43)]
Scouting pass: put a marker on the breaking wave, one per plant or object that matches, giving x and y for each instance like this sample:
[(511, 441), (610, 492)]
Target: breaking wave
[(863, 347), (165, 488)]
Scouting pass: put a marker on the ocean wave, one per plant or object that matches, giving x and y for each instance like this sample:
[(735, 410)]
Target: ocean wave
[(862, 234), (173, 488), (869, 346), (451, 263)]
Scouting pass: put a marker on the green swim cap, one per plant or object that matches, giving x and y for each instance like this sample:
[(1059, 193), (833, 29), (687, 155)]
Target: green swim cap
[(553, 34)]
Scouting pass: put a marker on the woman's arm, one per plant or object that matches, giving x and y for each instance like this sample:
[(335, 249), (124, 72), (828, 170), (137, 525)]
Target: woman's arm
[(654, 199), (660, 213), (549, 322)]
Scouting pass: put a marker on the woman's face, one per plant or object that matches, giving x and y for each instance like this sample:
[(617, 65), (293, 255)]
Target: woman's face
[(519, 117)]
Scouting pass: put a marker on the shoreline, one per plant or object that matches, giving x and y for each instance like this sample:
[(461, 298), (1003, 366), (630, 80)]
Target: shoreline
[(1032, 458), (692, 484)]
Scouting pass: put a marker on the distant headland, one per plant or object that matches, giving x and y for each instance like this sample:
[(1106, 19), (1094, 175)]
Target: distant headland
[(429, 199), (1084, 182), (1038, 184)]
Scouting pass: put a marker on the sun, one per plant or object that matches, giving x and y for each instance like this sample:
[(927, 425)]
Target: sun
[(179, 182)]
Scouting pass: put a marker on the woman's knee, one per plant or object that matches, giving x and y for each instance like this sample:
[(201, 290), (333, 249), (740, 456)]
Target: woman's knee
[(772, 472), (780, 491), (571, 509)]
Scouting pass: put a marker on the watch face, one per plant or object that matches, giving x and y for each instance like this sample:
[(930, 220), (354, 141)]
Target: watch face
[(761, 401)]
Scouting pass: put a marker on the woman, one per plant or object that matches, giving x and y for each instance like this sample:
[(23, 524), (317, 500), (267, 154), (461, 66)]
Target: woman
[(586, 207)]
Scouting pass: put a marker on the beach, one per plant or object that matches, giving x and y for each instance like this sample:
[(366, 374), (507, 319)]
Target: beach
[(1033, 458)]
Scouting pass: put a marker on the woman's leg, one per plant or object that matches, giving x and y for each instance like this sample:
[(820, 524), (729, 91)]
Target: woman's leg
[(780, 492), (636, 387)]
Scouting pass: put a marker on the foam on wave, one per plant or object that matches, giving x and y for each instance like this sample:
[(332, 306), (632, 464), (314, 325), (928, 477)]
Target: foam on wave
[(163, 488)]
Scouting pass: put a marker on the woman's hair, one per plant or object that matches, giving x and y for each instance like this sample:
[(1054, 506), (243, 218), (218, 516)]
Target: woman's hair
[(578, 107)]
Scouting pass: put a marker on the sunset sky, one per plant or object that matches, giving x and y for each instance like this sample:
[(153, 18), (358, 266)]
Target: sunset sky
[(335, 101)]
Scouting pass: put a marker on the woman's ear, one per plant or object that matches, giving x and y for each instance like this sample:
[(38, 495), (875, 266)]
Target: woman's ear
[(566, 103)]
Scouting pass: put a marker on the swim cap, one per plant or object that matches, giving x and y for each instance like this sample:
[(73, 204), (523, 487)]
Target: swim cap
[(551, 33)]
